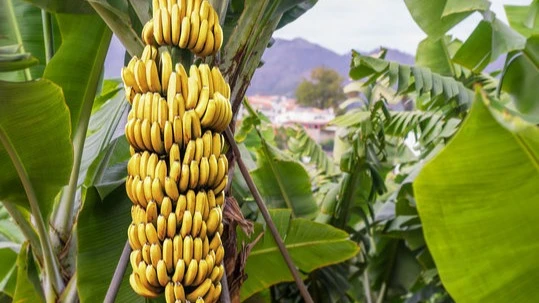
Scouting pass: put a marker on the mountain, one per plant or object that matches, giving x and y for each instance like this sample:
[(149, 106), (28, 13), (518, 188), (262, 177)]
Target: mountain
[(287, 62)]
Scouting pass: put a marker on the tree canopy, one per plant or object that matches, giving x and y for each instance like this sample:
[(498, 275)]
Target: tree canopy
[(322, 90)]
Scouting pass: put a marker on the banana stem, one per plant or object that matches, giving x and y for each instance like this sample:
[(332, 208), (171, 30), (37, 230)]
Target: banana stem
[(273, 229), (48, 37), (114, 285), (53, 280), (225, 293), (18, 37)]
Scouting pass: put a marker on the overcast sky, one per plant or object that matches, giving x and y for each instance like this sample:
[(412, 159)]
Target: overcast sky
[(342, 25)]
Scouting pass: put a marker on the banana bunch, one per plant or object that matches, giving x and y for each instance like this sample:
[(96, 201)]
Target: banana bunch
[(190, 24), (177, 172)]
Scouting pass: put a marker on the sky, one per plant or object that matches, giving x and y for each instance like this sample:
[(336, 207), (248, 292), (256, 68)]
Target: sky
[(364, 25)]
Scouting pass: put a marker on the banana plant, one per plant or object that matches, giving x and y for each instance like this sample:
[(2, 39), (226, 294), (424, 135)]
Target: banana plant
[(64, 159)]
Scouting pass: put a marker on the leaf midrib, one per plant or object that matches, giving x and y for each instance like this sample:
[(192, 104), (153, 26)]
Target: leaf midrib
[(296, 245)]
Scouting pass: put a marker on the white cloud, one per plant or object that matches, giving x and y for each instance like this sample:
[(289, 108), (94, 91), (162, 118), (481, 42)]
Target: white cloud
[(341, 25)]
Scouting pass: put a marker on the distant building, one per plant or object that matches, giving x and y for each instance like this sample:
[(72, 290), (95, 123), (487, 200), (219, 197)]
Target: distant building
[(283, 111)]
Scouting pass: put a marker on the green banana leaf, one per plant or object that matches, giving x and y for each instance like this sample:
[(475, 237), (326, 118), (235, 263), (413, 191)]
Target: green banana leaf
[(63, 6), (109, 108), (35, 138), (14, 61), (28, 288), (101, 235), (436, 17), (8, 270), (488, 41), (311, 245), (78, 63), (284, 182), (27, 20), (477, 200)]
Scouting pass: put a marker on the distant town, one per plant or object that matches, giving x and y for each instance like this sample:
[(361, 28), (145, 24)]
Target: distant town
[(284, 111)]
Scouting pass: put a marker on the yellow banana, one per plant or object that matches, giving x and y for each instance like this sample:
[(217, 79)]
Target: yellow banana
[(141, 231), (147, 33), (157, 191), (151, 213), (189, 8), (135, 258), (155, 254), (166, 70), (168, 254), (179, 292), (171, 94), (191, 201), (215, 273), (175, 23), (202, 272), (201, 201), (146, 253), (168, 136), (199, 148), (191, 273), (184, 178), (187, 124), (171, 225), (133, 164), (169, 293), (165, 21), (196, 126), (185, 32), (194, 30), (220, 199), (203, 101), (158, 27), (192, 93), (185, 228), (200, 291), (151, 234), (197, 249), (139, 143), (206, 249), (140, 75), (208, 298), (179, 271), (129, 78), (219, 254), (175, 168), (181, 206), (178, 130), (202, 36), (147, 187), (171, 188), (166, 207), (177, 243), (217, 78), (190, 150), (218, 33), (209, 46), (156, 141), (204, 231), (146, 132), (207, 143), (208, 119), (163, 112), (193, 174), (152, 76), (132, 235), (215, 242), (187, 249), (219, 188), (181, 104), (174, 154), (136, 284), (205, 8), (221, 172), (162, 274), (211, 199), (213, 170), (182, 74), (196, 6), (197, 225), (213, 221), (204, 172), (161, 227), (183, 7)]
